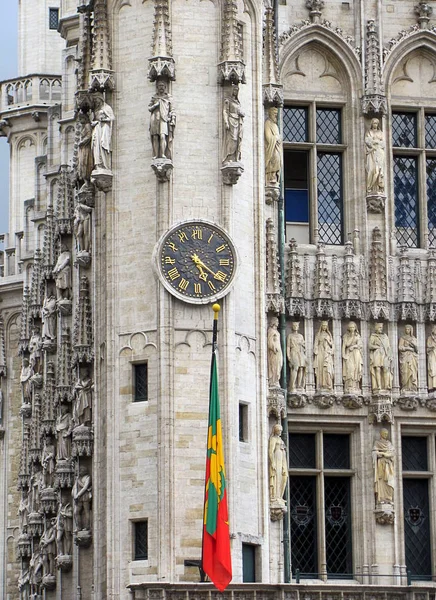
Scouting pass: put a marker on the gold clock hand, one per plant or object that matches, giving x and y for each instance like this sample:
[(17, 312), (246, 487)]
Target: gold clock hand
[(200, 264)]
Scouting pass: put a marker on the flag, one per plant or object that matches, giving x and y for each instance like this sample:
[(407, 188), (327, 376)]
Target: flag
[(216, 557)]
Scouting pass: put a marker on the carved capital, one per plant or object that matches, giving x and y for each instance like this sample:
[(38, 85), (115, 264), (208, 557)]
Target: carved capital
[(273, 94), (161, 66), (232, 71), (374, 104), (162, 167), (231, 172)]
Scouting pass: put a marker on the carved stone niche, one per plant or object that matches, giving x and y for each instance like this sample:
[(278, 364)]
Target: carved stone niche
[(48, 500), (64, 477), (35, 524), (24, 549), (384, 514), (276, 403), (83, 441)]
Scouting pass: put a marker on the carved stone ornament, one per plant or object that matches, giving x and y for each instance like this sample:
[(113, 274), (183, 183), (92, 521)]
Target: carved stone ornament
[(83, 441), (231, 67), (232, 172), (375, 203), (296, 399), (82, 333), (101, 74), (161, 63), (48, 500), (407, 403), (374, 100), (380, 409), (324, 399), (64, 474), (24, 549), (162, 168), (385, 515), (353, 401), (35, 524), (424, 11), (276, 405), (272, 89), (274, 299), (315, 8)]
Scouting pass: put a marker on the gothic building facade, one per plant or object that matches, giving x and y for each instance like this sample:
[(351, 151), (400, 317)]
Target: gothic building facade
[(276, 156)]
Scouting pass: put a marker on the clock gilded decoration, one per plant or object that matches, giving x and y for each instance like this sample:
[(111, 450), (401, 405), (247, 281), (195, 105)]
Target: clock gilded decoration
[(196, 261)]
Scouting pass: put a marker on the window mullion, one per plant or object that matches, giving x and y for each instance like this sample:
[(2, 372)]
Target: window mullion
[(422, 181), (322, 560), (313, 191)]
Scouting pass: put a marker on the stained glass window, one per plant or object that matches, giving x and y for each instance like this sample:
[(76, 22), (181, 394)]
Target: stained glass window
[(303, 524), (330, 198)]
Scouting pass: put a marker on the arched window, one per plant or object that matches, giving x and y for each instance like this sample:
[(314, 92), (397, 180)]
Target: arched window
[(56, 91), (28, 90), (44, 89)]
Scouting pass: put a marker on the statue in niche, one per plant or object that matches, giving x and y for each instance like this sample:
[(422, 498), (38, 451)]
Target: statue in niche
[(383, 454), (36, 567), (233, 118), (82, 495), (375, 159), (273, 148), (275, 354), (162, 122), (37, 484), (35, 350), (25, 380), (408, 356), (380, 359), (64, 529), (48, 548), (82, 227), (431, 359), (48, 462), (23, 512), (83, 394), (323, 351), (62, 273), (49, 318), (296, 353), (102, 132), (24, 583), (85, 162), (63, 429), (352, 359), (278, 466)]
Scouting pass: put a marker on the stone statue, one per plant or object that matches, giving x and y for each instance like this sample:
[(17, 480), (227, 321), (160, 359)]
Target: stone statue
[(85, 162), (431, 359), (375, 159), (408, 356), (323, 358), (383, 458), (162, 122), (48, 462), (49, 318), (380, 359), (64, 428), (83, 393), (82, 227), (62, 274), (36, 567), (64, 529), (37, 483), (23, 513), (102, 133), (273, 148), (82, 495), (296, 353), (24, 583), (352, 359), (35, 350), (278, 466), (275, 354), (233, 118), (25, 380), (48, 548)]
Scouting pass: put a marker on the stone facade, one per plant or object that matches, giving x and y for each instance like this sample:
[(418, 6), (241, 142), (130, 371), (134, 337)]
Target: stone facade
[(149, 114)]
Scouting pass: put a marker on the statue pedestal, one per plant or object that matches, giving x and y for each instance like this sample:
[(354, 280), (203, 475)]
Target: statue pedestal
[(384, 513), (408, 401), (83, 538), (65, 307), (352, 400), (64, 562), (375, 203), (272, 193), (324, 398), (102, 179), (297, 398), (277, 509), (231, 172), (162, 168), (83, 258), (26, 410), (49, 582)]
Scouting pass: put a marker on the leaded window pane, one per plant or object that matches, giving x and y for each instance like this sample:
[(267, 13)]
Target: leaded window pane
[(141, 540), (295, 124), (303, 524), (404, 130), (141, 382), (337, 504), (430, 131), (336, 451), (406, 200), (417, 528), (328, 126), (53, 18), (431, 200), (329, 171), (302, 451), (414, 452)]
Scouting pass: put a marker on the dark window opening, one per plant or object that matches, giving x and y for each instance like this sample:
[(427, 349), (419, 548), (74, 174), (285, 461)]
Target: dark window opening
[(53, 18), (414, 453), (336, 451), (296, 187), (140, 382), (406, 200), (248, 563), (338, 526), (417, 528), (302, 492), (302, 451), (243, 422), (140, 531)]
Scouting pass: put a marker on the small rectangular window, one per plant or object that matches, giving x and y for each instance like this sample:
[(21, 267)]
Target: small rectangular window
[(140, 373), (140, 533), (302, 451), (336, 451), (53, 18), (414, 452), (328, 126), (243, 422), (404, 130), (248, 563), (295, 124)]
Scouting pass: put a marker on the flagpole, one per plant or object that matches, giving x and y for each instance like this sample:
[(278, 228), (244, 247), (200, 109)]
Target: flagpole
[(216, 309)]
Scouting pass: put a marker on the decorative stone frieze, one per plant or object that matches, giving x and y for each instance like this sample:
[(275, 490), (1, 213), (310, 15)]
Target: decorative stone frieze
[(274, 299)]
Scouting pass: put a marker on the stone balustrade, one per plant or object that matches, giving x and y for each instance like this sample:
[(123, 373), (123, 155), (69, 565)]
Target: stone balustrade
[(33, 90)]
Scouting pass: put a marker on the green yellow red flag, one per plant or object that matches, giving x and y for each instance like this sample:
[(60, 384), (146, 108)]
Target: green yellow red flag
[(216, 557)]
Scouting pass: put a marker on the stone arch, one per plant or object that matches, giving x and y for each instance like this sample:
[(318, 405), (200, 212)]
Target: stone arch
[(22, 141), (424, 41)]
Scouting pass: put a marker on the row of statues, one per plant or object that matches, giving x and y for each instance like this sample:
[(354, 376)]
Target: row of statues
[(383, 455), (380, 355)]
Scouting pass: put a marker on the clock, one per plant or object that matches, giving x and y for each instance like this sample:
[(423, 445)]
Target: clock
[(196, 261)]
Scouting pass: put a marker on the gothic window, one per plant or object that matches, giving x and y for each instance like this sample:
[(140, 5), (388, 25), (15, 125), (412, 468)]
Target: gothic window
[(140, 543), (320, 504), (53, 18), (414, 171), (313, 173), (416, 503), (140, 375)]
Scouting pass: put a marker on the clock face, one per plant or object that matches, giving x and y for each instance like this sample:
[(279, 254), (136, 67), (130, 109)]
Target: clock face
[(197, 261)]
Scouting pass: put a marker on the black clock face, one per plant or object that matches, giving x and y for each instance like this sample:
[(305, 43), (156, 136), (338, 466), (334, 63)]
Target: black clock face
[(197, 261)]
